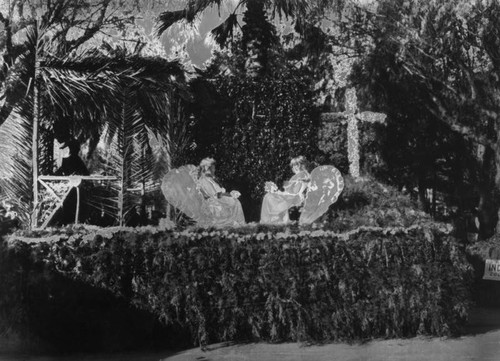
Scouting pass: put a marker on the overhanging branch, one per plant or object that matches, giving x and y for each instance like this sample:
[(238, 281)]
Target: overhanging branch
[(91, 30), (467, 131)]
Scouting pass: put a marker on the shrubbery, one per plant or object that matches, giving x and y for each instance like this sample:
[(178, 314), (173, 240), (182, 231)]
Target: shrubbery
[(274, 284), (370, 203)]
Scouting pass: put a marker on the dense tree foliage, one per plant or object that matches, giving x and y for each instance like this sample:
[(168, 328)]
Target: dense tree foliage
[(435, 67)]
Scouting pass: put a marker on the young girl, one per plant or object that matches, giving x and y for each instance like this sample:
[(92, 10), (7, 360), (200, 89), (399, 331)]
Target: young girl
[(276, 204), (225, 208)]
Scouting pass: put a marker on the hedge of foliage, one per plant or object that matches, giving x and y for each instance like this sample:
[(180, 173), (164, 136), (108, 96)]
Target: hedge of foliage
[(273, 284)]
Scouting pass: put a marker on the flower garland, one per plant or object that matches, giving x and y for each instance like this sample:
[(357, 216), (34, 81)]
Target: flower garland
[(352, 132), (88, 234)]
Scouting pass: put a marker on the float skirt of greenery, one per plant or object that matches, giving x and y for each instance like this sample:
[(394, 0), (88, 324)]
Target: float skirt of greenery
[(273, 284)]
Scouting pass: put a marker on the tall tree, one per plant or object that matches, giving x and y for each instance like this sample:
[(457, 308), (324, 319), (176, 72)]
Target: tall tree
[(258, 34), (447, 51)]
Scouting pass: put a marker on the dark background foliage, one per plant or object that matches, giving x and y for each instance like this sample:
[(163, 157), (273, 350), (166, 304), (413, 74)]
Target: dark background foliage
[(429, 154), (433, 68), (253, 126)]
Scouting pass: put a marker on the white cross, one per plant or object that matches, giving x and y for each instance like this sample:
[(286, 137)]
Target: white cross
[(351, 108)]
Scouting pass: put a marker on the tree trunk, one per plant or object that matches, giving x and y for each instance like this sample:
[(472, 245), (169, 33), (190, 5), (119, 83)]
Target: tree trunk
[(422, 189), (434, 195), (488, 194), (487, 213), (497, 184), (258, 35)]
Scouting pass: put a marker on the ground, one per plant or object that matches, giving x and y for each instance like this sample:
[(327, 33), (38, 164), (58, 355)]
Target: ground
[(481, 343)]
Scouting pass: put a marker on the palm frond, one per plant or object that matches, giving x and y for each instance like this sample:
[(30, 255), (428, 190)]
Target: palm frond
[(289, 8), (16, 131), (85, 87), (65, 90), (193, 8), (225, 30), (168, 18), (15, 168), (315, 39), (94, 61), (131, 159), (18, 81), (18, 76)]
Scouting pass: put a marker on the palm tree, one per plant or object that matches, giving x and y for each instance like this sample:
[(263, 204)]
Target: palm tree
[(125, 96), (258, 33), (53, 20), (286, 8)]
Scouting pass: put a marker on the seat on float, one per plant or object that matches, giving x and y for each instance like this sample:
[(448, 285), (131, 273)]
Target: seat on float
[(179, 186), (324, 189)]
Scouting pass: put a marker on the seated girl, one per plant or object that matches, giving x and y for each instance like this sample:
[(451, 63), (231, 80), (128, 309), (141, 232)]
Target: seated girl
[(224, 208), (276, 203)]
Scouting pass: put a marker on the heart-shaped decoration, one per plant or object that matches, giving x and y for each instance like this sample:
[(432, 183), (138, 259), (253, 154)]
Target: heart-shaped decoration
[(324, 190)]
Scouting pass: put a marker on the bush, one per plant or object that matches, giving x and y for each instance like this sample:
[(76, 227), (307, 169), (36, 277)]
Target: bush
[(274, 284), (370, 203)]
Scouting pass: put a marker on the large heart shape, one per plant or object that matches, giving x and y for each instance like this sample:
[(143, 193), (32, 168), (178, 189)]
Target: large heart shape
[(324, 190)]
